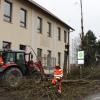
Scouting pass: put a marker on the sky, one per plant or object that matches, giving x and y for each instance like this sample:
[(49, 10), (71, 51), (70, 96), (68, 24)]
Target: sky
[(69, 12)]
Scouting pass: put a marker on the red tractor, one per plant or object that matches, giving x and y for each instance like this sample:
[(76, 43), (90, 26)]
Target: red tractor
[(16, 64)]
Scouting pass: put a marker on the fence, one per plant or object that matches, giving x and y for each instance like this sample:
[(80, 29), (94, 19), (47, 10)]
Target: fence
[(48, 64)]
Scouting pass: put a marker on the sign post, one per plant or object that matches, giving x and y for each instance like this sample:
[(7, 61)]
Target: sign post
[(80, 57), (81, 61)]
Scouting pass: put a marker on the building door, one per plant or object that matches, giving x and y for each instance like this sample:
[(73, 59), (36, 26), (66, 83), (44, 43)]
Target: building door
[(65, 62)]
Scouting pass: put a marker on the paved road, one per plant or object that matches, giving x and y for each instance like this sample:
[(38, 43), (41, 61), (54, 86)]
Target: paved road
[(93, 97)]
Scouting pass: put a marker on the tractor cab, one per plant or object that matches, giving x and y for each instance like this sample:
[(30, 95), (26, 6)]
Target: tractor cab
[(13, 58)]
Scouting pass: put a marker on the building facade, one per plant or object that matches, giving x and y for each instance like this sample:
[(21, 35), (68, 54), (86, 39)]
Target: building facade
[(24, 22)]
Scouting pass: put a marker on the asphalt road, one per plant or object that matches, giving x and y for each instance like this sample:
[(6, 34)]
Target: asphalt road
[(93, 97)]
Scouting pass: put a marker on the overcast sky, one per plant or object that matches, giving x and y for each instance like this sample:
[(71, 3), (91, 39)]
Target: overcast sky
[(69, 12)]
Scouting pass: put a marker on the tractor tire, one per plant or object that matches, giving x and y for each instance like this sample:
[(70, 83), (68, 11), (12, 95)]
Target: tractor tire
[(37, 77), (12, 77)]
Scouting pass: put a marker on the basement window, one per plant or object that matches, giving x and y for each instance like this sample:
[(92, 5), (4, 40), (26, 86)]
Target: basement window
[(22, 47), (6, 45)]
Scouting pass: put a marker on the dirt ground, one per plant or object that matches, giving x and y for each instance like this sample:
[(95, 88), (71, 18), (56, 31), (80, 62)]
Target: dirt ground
[(72, 90)]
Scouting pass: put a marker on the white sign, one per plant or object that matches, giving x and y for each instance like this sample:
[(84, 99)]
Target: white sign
[(80, 61)]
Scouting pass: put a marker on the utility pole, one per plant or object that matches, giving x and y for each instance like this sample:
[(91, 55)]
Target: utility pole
[(82, 37), (82, 28)]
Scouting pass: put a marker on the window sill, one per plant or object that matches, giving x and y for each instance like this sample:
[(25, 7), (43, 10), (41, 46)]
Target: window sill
[(39, 32), (8, 21), (23, 27), (59, 40), (49, 36)]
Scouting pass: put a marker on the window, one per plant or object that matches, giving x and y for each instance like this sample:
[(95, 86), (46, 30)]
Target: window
[(39, 52), (20, 59), (9, 57), (39, 25), (59, 34), (22, 47), (49, 29), (65, 36), (7, 11), (6, 45), (23, 17), (49, 58), (49, 54), (59, 58)]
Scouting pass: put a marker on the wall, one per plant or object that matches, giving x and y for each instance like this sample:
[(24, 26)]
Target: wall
[(12, 32)]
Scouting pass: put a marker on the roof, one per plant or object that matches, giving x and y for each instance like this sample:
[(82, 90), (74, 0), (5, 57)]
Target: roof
[(49, 13)]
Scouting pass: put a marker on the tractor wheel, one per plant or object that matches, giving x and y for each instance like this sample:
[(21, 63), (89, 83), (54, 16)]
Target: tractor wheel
[(37, 77), (12, 77)]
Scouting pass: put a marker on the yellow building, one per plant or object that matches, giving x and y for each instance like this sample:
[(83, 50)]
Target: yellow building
[(24, 22)]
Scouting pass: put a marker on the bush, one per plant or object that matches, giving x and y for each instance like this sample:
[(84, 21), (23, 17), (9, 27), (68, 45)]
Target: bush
[(74, 74)]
